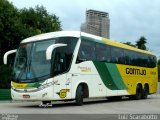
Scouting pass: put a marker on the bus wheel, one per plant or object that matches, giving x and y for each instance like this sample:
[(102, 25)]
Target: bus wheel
[(138, 94), (145, 92), (79, 96)]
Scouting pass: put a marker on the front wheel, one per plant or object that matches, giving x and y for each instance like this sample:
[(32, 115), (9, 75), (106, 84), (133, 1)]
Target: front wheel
[(79, 96)]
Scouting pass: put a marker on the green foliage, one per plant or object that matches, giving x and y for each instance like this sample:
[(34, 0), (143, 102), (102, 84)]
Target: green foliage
[(16, 25), (7, 22), (5, 79), (141, 43), (130, 44), (37, 20)]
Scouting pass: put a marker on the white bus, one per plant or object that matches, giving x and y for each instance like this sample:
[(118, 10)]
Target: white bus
[(72, 65)]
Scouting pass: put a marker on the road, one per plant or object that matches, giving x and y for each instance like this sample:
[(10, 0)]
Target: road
[(102, 107)]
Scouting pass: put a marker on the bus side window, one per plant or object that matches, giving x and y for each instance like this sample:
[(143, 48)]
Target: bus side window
[(117, 55), (134, 58), (153, 61), (114, 56), (121, 56), (103, 53), (86, 51), (126, 57), (145, 60)]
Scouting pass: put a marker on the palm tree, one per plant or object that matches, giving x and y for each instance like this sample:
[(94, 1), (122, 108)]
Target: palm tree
[(141, 43)]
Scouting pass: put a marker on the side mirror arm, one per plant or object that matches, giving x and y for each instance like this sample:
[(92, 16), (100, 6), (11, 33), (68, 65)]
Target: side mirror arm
[(51, 48), (6, 55)]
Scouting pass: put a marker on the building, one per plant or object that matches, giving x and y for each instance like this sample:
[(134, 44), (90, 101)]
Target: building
[(97, 23)]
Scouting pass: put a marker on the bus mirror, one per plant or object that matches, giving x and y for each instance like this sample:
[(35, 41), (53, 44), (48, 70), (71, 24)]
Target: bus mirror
[(6, 55), (51, 48)]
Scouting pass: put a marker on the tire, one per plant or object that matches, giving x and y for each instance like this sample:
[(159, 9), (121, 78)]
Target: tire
[(138, 94), (131, 97), (145, 92), (79, 96)]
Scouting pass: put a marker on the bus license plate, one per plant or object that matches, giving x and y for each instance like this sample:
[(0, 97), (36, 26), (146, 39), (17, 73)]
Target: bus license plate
[(26, 96)]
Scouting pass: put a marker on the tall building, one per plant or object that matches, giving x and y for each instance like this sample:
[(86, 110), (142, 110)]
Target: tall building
[(97, 23)]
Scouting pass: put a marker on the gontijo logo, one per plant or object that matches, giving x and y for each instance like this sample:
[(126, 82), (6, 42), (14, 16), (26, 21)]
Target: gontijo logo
[(135, 71)]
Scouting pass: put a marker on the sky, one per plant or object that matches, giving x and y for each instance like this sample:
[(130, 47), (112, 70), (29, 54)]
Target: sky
[(129, 19)]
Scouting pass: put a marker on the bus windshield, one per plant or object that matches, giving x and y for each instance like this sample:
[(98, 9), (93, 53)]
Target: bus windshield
[(31, 64)]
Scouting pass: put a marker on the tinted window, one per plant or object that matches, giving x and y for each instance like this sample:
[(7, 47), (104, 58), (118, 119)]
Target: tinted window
[(144, 58), (117, 55), (103, 53), (139, 59), (86, 51), (152, 61), (62, 56), (133, 57)]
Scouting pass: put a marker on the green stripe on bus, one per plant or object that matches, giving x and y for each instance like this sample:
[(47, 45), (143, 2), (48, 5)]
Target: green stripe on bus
[(110, 75), (105, 75), (116, 77), (34, 85)]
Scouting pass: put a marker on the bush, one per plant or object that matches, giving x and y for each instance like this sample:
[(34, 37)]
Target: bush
[(5, 77)]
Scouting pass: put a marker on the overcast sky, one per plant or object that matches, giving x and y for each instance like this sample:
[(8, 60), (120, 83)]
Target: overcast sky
[(129, 19)]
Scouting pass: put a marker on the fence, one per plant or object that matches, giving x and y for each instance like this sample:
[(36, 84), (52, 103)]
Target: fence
[(5, 94)]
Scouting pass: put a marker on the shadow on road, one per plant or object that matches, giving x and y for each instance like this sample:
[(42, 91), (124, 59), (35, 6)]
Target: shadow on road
[(86, 102)]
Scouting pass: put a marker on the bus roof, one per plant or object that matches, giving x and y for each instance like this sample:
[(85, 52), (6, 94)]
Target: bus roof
[(113, 43), (85, 35), (52, 35)]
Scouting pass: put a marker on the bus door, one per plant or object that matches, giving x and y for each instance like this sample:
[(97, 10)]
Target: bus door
[(60, 72), (63, 84), (68, 84), (60, 87)]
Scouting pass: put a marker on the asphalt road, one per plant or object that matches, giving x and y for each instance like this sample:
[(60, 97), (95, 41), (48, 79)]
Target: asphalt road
[(96, 109)]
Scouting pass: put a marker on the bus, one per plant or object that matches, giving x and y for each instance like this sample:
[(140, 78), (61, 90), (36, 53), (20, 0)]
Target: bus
[(73, 65)]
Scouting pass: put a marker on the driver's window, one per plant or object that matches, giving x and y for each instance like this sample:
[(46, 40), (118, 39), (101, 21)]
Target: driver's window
[(59, 61)]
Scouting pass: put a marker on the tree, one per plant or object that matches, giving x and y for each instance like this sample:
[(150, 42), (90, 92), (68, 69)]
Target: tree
[(141, 43), (8, 16), (37, 20), (15, 25), (130, 44)]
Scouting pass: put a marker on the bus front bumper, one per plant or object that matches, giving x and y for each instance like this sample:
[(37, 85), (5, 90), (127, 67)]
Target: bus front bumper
[(44, 94)]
